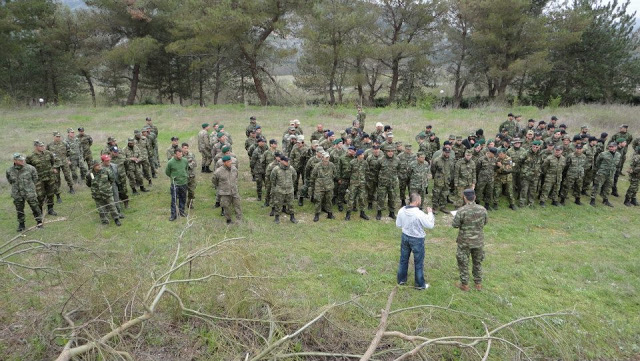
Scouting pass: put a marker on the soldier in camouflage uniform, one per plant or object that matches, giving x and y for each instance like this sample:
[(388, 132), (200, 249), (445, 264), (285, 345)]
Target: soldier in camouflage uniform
[(552, 167), (113, 170), (308, 168), (225, 180), (606, 166), (111, 142), (357, 186), (282, 178), (458, 148), (323, 177), (143, 159), (470, 220), (360, 117), (267, 158), (464, 177), (486, 173), (62, 151), (191, 172), (132, 166), (117, 164), (509, 126), (419, 171), (154, 141), (634, 179), (85, 146), (100, 180), (146, 132), (44, 161), (386, 172), (258, 166), (442, 170), (298, 158), (252, 126), (504, 179), (589, 150), (23, 179), (175, 144), (575, 164), (344, 177), (267, 181), (372, 156), (318, 134), (204, 147), (405, 159), (515, 153), (75, 157), (622, 136), (530, 167)]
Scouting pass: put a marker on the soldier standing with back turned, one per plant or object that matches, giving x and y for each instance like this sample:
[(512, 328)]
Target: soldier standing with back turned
[(470, 220)]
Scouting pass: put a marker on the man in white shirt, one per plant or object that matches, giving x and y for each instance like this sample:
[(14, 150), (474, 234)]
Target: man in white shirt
[(413, 221)]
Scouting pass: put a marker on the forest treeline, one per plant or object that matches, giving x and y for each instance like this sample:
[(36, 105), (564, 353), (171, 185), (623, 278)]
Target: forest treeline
[(341, 51)]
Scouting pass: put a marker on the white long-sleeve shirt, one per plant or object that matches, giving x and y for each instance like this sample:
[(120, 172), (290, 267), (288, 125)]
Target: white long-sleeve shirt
[(413, 221)]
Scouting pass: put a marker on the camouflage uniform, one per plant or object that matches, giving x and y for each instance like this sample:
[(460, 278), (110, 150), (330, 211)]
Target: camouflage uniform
[(113, 170), (510, 126), (464, 177), (419, 179), (357, 185), (372, 179), (153, 129), (442, 169), (530, 167), (152, 144), (141, 143), (46, 186), (634, 179), (75, 156), (225, 180), (204, 147), (24, 180), (118, 163), (589, 168), (85, 147), (606, 166), (308, 168), (62, 151), (486, 169), (282, 178), (258, 167), (267, 182), (323, 177), (470, 220), (552, 167), (504, 181), (101, 183), (191, 184), (386, 170), (575, 165), (133, 168), (344, 179), (316, 135), (515, 154), (299, 156), (404, 161)]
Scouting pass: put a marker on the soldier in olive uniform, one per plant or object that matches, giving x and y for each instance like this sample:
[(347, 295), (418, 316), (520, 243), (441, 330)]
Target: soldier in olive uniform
[(132, 165), (225, 180), (323, 177), (405, 159), (464, 177), (113, 170), (530, 168), (442, 170), (191, 172), (143, 158), (100, 181), (146, 133), (85, 146), (154, 141), (504, 179), (204, 147), (419, 171), (253, 123), (267, 181), (634, 179), (574, 179), (360, 117), (358, 186), (606, 166), (515, 153), (470, 221), (589, 150), (486, 169), (343, 177), (24, 179), (386, 171), (75, 157), (282, 178), (266, 159), (258, 166), (118, 163), (298, 159), (62, 151), (44, 161), (552, 167), (623, 135)]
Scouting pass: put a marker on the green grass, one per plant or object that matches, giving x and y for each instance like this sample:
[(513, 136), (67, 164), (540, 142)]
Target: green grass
[(538, 260)]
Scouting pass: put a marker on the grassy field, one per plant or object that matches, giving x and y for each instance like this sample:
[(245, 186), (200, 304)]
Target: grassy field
[(577, 259)]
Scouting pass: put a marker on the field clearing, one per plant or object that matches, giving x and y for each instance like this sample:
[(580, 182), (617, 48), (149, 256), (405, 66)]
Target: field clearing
[(575, 259)]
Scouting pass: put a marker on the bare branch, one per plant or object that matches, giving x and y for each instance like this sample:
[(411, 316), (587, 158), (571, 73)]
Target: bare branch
[(381, 328)]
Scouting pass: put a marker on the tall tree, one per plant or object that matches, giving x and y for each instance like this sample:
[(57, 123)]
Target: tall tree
[(457, 47)]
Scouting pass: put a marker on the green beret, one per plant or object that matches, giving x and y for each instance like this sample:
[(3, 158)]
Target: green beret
[(481, 141), (501, 150), (490, 141), (226, 149), (536, 142), (220, 134), (226, 158), (337, 141), (204, 125), (620, 140), (220, 126), (638, 149)]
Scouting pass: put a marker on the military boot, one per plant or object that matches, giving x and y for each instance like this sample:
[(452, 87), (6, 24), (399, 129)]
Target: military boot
[(330, 215), (300, 201), (316, 217), (340, 208), (20, 227), (266, 203), (364, 216), (51, 212), (277, 219), (143, 189), (542, 204), (259, 197), (392, 215), (58, 199), (216, 205), (284, 210), (222, 212), (292, 218), (578, 201), (379, 215), (634, 201), (562, 199), (370, 206), (554, 203), (117, 221), (39, 223), (607, 203), (347, 217), (202, 169), (273, 211), (71, 190), (614, 192), (135, 191), (593, 202), (513, 207), (627, 201)]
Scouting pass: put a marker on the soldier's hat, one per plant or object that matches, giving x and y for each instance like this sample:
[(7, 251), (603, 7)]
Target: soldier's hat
[(466, 152), (584, 126), (579, 146), (480, 142), (620, 140), (220, 126), (146, 128), (296, 121), (592, 138), (314, 142), (408, 146), (226, 158), (516, 140), (468, 193), (291, 128), (258, 127), (320, 149), (95, 163), (111, 139), (565, 137), (388, 148), (389, 134), (261, 139), (174, 138), (330, 133), (378, 124), (557, 147), (220, 134), (204, 125), (502, 150), (577, 137), (284, 158), (131, 140), (613, 144), (365, 135), (510, 114), (553, 117), (301, 138), (252, 118), (536, 142), (225, 149), (81, 129), (493, 150), (277, 154), (38, 143), (376, 146), (272, 141), (459, 137), (359, 152), (446, 142), (472, 135), (421, 154), (56, 134), (446, 150), (70, 130), (337, 141), (137, 131), (451, 136), (105, 157), (351, 147), (18, 156), (624, 126), (326, 155)]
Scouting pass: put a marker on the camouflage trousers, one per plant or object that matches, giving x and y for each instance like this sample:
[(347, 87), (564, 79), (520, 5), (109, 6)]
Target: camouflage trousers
[(484, 191), (154, 158), (528, 190), (515, 178), (33, 204), (282, 200), (134, 173), (588, 180), (386, 192), (106, 206), (259, 183), (357, 197), (341, 191), (77, 165), (634, 179), (88, 158), (422, 194), (503, 184), (477, 256), (573, 183), (296, 182), (602, 186), (67, 176), (123, 196), (206, 158), (146, 169), (191, 190), (440, 194), (404, 187), (372, 188), (46, 191), (550, 189), (322, 199), (228, 202)]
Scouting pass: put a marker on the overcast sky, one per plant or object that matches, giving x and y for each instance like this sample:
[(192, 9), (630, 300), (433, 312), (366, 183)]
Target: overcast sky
[(634, 5)]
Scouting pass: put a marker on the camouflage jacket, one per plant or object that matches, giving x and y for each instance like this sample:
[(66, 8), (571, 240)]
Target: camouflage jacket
[(250, 128), (575, 165), (203, 141), (510, 126), (628, 137), (44, 163), (248, 143), (486, 168), (75, 150), (419, 175), (323, 177), (504, 168), (359, 170), (170, 151), (530, 164), (85, 144), (106, 149), (225, 181), (193, 165), (131, 152), (470, 220), (234, 162), (267, 158), (465, 173), (121, 173), (257, 162), (606, 163), (404, 162), (458, 150), (267, 180), (298, 157), (101, 183), (23, 180), (60, 150), (142, 148), (386, 170), (344, 166), (282, 179), (634, 167), (552, 167), (442, 170), (515, 154), (316, 135)]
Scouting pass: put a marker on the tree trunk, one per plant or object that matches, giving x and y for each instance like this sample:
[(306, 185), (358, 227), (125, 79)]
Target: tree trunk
[(242, 87), (134, 84), (257, 82), (200, 85), (92, 90), (359, 81), (395, 74), (217, 84)]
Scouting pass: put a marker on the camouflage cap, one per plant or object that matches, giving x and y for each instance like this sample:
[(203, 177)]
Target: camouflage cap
[(95, 163), (325, 155), (613, 144), (378, 124), (388, 148), (145, 128), (111, 139), (584, 126), (624, 126), (296, 121), (57, 134), (466, 152), (459, 137), (137, 131), (314, 142), (566, 137), (320, 149), (389, 134), (173, 139), (131, 140), (502, 151), (301, 138), (291, 129), (420, 154), (70, 130), (516, 140), (252, 118), (38, 143), (530, 132), (18, 156), (408, 146), (451, 136)]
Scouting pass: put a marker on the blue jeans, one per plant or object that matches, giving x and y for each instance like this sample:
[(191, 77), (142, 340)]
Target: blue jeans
[(416, 245), (178, 198)]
